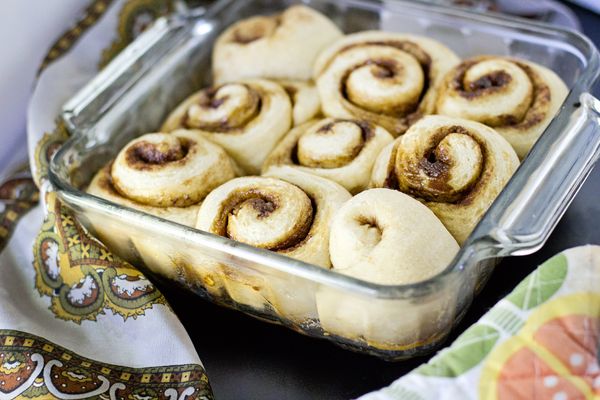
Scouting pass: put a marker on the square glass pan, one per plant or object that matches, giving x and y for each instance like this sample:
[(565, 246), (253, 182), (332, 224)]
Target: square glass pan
[(136, 91)]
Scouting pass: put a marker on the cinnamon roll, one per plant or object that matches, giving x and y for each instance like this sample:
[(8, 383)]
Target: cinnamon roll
[(306, 103), (102, 186), (342, 150), (247, 119), (282, 46), (386, 78), (455, 167), (385, 237), (516, 97), (166, 175), (288, 212)]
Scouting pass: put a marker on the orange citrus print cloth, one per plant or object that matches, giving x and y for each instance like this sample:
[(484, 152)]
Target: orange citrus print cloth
[(571, 341), (541, 342)]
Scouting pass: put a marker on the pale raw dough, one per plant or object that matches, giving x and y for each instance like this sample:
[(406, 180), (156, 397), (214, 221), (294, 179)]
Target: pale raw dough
[(386, 237), (282, 46), (306, 103)]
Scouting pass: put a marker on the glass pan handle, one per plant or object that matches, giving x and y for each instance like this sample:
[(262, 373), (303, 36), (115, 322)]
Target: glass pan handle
[(93, 100), (547, 181)]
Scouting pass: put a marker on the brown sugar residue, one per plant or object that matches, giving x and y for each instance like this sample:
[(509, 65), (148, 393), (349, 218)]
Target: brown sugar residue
[(146, 153), (264, 207), (489, 83), (494, 79), (434, 166)]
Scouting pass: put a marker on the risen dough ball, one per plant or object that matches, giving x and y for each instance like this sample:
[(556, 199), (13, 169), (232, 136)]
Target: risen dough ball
[(282, 46), (387, 237), (246, 118)]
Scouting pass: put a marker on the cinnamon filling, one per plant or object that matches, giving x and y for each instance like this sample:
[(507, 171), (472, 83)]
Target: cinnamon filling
[(264, 207), (492, 80), (490, 83), (436, 164), (498, 81), (365, 127), (306, 233), (210, 100), (386, 72), (144, 154), (409, 47), (367, 133), (265, 204), (384, 69)]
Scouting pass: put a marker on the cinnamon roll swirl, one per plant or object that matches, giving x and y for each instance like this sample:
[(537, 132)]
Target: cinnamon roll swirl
[(386, 78), (166, 175), (342, 150), (288, 212), (282, 46), (455, 167), (247, 119), (102, 186), (516, 97), (386, 237)]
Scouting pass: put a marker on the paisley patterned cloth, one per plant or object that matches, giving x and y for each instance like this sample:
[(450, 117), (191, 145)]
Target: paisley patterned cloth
[(81, 323), (542, 341)]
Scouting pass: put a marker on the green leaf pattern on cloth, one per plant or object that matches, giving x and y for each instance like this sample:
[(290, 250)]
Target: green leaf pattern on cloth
[(505, 317), (541, 285), (402, 393), (468, 351)]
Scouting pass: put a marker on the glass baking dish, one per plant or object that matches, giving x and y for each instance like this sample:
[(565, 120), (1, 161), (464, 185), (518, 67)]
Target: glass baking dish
[(135, 92)]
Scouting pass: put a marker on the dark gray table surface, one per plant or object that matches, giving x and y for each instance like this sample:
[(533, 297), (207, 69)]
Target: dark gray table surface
[(248, 359)]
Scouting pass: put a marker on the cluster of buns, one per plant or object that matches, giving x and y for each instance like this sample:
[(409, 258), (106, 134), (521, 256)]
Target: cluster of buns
[(374, 154)]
